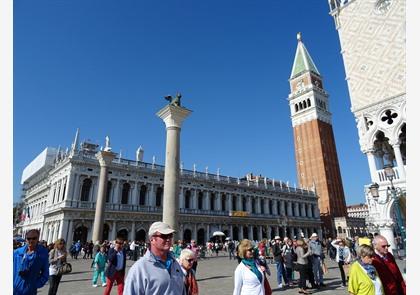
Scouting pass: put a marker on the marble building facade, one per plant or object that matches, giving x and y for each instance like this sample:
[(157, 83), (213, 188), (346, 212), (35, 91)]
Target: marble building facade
[(61, 197)]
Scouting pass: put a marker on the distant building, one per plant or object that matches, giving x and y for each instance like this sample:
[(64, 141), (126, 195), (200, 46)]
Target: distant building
[(349, 227), (60, 190), (373, 45), (358, 211)]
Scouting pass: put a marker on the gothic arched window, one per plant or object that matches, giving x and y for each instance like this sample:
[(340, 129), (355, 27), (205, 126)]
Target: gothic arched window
[(87, 184), (309, 102)]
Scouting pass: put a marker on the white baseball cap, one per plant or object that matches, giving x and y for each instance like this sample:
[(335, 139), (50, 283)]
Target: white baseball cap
[(160, 227), (314, 235)]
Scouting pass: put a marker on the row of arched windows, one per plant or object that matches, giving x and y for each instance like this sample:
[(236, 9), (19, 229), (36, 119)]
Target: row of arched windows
[(302, 105)]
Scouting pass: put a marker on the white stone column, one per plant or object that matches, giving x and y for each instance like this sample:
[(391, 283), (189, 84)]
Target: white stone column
[(372, 165), (229, 198), (117, 192), (269, 232), (398, 157), (149, 195), (241, 232), (114, 230), (105, 158), (133, 231), (206, 200), (218, 201), (304, 214), (194, 233), (266, 209), (69, 237), (194, 201), (135, 194), (297, 209), (60, 233), (172, 116), (275, 207), (258, 205), (250, 232), (182, 198), (207, 233), (289, 208), (248, 203), (259, 233)]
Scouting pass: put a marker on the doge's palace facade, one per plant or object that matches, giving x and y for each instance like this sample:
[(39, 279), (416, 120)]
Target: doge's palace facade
[(372, 37)]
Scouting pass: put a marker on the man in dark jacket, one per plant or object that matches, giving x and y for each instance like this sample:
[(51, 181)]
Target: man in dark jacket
[(278, 258), (30, 266), (389, 273), (116, 267)]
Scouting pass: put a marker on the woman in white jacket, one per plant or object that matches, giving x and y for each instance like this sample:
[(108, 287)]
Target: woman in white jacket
[(343, 257), (249, 275)]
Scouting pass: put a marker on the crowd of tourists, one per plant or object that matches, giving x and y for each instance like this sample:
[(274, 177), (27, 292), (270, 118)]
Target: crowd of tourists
[(163, 266)]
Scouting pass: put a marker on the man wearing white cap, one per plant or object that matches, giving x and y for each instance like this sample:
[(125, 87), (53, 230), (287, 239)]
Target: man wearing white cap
[(278, 258), (317, 258), (157, 272)]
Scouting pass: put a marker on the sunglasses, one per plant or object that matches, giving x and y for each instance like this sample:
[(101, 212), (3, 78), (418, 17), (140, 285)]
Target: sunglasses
[(164, 237), (190, 260), (32, 238), (385, 246)]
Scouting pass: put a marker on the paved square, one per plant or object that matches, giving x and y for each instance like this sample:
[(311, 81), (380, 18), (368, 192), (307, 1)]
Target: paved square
[(214, 275)]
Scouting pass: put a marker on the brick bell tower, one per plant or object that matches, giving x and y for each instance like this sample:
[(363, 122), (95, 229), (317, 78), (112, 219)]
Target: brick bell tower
[(315, 151)]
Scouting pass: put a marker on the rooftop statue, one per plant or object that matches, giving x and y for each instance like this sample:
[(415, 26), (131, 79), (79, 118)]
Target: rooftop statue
[(176, 101)]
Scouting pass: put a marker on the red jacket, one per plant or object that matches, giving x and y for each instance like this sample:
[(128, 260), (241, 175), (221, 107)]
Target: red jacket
[(390, 274)]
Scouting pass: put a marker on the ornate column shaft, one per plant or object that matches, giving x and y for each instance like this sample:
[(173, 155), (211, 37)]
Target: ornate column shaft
[(372, 165), (399, 159), (173, 116), (105, 158)]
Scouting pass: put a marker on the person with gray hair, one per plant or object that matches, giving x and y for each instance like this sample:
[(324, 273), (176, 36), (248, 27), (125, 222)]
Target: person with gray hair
[(387, 268), (364, 278), (186, 260), (157, 272)]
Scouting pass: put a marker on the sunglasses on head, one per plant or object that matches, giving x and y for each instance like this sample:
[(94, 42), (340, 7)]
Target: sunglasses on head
[(385, 246)]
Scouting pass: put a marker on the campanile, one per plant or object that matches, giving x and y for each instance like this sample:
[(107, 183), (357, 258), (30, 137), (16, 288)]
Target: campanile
[(315, 151)]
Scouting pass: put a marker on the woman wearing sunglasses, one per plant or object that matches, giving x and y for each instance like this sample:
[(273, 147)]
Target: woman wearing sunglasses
[(249, 275), (186, 260)]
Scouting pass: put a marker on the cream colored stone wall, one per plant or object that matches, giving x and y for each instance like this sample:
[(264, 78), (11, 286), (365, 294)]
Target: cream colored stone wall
[(373, 49)]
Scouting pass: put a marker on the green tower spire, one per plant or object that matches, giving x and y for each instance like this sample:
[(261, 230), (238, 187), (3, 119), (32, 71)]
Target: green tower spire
[(303, 61)]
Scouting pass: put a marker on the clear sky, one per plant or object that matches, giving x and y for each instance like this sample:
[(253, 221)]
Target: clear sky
[(105, 66)]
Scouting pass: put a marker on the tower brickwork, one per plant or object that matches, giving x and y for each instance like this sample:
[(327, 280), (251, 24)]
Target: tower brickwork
[(315, 150)]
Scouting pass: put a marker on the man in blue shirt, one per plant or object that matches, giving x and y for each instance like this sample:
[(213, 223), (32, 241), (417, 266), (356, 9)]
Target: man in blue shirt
[(157, 272), (30, 266)]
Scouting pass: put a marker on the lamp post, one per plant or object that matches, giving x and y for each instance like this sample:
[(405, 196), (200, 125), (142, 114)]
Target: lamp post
[(396, 194)]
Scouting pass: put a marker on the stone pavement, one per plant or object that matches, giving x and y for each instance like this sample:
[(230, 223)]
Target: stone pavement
[(214, 275)]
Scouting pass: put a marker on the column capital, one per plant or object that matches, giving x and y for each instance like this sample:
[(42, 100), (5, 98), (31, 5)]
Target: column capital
[(173, 116), (105, 157)]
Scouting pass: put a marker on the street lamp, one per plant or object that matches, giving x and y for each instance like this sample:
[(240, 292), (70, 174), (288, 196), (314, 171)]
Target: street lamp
[(396, 194)]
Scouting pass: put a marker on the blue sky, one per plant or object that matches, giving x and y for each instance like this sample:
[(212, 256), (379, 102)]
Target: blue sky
[(104, 67)]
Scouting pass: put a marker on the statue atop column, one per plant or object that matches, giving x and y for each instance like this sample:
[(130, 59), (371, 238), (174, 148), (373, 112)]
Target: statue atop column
[(175, 101), (107, 144)]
